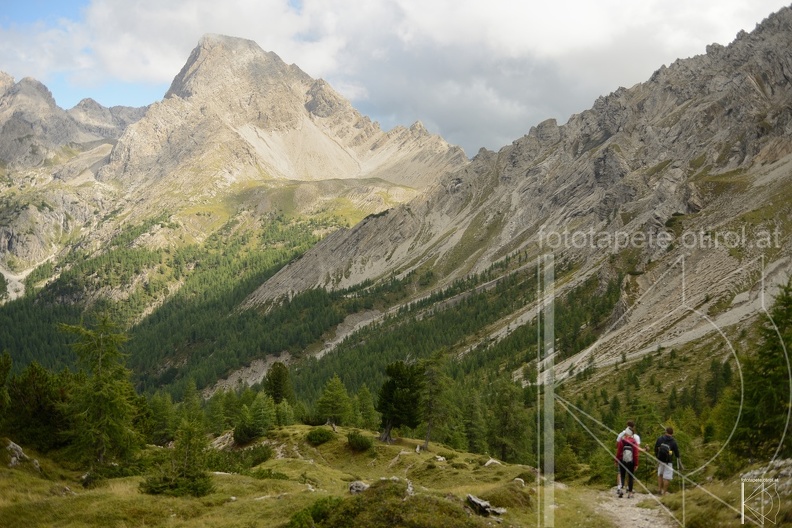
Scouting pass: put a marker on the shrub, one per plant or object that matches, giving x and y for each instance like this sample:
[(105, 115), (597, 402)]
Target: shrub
[(314, 514), (510, 495), (196, 485), (358, 442), (239, 460), (319, 436), (386, 503)]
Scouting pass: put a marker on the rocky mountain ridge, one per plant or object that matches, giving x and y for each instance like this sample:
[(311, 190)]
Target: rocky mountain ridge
[(34, 129), (699, 153)]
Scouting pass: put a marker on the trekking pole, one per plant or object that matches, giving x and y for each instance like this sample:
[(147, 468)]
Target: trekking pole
[(682, 478)]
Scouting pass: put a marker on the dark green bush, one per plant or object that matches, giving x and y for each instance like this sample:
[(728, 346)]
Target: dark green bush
[(319, 436), (237, 460), (244, 433), (196, 485), (315, 514), (358, 442), (385, 503)]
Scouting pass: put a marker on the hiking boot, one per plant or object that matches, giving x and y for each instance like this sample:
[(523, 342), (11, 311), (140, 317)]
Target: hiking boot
[(619, 493)]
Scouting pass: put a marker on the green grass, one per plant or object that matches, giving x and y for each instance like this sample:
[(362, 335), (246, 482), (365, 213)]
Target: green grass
[(56, 498)]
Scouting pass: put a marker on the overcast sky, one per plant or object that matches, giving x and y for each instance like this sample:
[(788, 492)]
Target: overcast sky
[(480, 73)]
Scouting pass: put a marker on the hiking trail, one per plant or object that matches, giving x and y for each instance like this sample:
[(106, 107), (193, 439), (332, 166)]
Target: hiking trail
[(626, 512)]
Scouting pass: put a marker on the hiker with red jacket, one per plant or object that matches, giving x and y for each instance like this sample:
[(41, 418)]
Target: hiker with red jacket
[(627, 459)]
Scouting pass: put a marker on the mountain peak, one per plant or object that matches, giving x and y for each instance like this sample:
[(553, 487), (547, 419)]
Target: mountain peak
[(30, 88), (218, 61)]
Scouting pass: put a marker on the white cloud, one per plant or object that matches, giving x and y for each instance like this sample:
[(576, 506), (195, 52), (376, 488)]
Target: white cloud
[(480, 73)]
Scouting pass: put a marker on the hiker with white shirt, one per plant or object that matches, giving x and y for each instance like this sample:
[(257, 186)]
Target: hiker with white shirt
[(630, 429), (627, 460)]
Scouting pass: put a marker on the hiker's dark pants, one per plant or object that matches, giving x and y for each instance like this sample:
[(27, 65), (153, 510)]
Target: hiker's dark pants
[(627, 468)]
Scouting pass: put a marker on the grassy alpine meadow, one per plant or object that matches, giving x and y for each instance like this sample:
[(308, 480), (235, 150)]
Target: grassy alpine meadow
[(408, 487)]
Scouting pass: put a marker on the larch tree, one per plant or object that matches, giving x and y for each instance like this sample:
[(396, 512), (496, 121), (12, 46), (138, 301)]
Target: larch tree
[(368, 412), (334, 404), (103, 408), (764, 427)]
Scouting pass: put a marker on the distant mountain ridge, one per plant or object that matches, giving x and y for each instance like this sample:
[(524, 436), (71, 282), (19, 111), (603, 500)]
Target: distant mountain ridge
[(700, 152), (33, 128)]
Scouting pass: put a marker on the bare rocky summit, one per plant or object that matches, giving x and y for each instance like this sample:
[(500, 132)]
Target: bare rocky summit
[(237, 114), (35, 130)]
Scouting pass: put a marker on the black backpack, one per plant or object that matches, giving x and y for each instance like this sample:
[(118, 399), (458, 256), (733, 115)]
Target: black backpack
[(664, 452)]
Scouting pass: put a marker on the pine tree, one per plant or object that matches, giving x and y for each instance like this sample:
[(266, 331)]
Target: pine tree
[(278, 383), (334, 404), (40, 417), (436, 406), (763, 428), (103, 408), (474, 422), (509, 423), (162, 424), (215, 414), (190, 407), (368, 412), (5, 369), (185, 471), (399, 400), (263, 412), (245, 430), (284, 414)]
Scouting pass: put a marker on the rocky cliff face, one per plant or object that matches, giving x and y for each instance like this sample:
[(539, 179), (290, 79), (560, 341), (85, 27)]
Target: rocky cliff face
[(48, 160), (701, 150)]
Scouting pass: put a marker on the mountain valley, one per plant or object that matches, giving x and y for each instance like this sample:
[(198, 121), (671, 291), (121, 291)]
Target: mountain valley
[(634, 262)]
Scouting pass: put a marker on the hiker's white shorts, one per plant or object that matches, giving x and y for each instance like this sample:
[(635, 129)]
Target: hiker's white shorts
[(665, 470)]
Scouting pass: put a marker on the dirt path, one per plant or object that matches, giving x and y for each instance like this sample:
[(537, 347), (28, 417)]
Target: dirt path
[(626, 512)]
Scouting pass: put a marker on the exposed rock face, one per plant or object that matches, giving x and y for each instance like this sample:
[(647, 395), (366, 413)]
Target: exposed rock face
[(236, 113), (704, 141), (105, 122)]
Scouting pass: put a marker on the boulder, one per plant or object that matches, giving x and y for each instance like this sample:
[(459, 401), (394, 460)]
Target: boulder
[(357, 486), (484, 508)]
